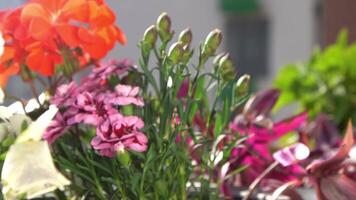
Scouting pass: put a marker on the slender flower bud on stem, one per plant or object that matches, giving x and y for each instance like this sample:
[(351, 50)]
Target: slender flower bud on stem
[(211, 43), (186, 36), (150, 36), (148, 42), (164, 27), (242, 85), (124, 158), (175, 53), (226, 68), (187, 54), (218, 58)]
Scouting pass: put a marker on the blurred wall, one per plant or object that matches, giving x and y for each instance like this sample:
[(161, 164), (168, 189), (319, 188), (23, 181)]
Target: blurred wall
[(291, 28), (337, 15), (134, 16), (292, 32)]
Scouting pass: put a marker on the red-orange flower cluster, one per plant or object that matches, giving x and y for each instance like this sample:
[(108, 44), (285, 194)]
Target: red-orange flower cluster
[(42, 34)]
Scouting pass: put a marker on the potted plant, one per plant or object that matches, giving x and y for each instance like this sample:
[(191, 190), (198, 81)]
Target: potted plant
[(162, 129)]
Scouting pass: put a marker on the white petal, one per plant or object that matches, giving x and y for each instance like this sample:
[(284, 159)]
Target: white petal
[(301, 152), (2, 96), (169, 82), (2, 43), (17, 107), (5, 112), (16, 121), (29, 169), (3, 131), (352, 153), (32, 105), (36, 129), (218, 157)]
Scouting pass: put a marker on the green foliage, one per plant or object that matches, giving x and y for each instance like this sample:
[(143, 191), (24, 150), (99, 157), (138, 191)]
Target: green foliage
[(326, 83)]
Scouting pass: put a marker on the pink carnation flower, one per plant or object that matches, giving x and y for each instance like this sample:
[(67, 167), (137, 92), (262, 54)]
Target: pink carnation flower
[(106, 69), (91, 110), (65, 95), (126, 95), (58, 126), (119, 133)]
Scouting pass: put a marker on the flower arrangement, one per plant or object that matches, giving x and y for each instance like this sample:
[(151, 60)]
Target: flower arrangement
[(168, 130)]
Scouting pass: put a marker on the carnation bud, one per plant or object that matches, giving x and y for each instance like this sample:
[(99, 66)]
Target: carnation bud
[(213, 40), (156, 105), (164, 27), (124, 158), (226, 68), (186, 37), (211, 43), (150, 36), (187, 54), (242, 85), (175, 53), (217, 59)]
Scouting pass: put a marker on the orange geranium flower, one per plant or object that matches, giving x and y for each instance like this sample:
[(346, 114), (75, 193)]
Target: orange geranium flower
[(44, 17), (88, 24), (8, 65), (38, 32), (43, 57)]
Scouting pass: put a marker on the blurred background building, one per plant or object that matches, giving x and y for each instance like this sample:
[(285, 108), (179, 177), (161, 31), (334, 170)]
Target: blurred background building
[(261, 35)]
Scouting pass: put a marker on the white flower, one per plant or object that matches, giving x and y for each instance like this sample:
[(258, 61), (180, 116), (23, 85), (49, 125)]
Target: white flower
[(2, 44), (18, 108), (13, 117), (2, 96), (12, 125), (169, 82), (28, 167), (36, 129)]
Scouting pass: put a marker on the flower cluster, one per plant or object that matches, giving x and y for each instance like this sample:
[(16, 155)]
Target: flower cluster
[(97, 103), (43, 35)]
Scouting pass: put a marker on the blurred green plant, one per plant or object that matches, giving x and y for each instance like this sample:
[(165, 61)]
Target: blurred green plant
[(325, 83)]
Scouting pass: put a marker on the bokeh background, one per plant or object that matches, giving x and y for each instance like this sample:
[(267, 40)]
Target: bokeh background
[(261, 36)]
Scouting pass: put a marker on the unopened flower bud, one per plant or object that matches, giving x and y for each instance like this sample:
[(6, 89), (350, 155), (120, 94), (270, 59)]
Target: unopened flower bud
[(164, 27), (175, 53), (211, 43), (124, 158), (187, 54), (186, 37), (226, 68), (150, 36), (217, 59), (242, 85), (213, 40)]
